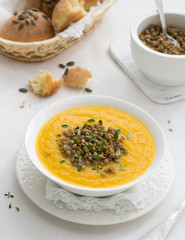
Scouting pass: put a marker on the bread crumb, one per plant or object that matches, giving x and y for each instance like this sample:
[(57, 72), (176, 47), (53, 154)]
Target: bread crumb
[(76, 77), (44, 84), (91, 3)]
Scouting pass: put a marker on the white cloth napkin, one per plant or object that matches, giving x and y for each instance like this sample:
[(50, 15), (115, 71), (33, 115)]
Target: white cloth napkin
[(132, 199)]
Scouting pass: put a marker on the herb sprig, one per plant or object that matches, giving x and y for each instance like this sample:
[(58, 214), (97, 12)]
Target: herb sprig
[(128, 135), (98, 168), (91, 120), (9, 195), (64, 125), (121, 166), (116, 134), (47, 153), (62, 161)]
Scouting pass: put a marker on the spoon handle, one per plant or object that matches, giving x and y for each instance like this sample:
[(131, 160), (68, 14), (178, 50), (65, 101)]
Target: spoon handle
[(159, 4), (161, 231)]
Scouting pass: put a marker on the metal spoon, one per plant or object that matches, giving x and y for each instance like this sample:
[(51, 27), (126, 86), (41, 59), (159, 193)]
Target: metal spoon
[(159, 5), (161, 231)]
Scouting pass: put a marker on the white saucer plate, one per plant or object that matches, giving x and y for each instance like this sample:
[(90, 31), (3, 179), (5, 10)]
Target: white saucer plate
[(33, 184)]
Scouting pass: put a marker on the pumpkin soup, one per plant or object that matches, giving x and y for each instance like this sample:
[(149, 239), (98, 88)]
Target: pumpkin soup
[(95, 147)]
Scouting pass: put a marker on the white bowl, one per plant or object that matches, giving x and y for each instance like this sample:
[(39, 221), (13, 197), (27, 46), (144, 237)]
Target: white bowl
[(62, 105), (164, 69)]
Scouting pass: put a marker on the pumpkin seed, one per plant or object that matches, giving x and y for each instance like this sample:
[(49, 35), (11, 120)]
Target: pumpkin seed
[(88, 90), (35, 9), (15, 22), (21, 26), (30, 13), (36, 17), (27, 22), (61, 65), (23, 90), (45, 16), (66, 71), (21, 17), (33, 22), (70, 64)]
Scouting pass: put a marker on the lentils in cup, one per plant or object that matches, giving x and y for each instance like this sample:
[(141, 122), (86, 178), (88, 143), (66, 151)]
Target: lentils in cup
[(153, 37), (92, 146)]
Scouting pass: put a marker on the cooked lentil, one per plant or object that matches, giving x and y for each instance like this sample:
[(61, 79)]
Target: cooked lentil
[(153, 37), (92, 145)]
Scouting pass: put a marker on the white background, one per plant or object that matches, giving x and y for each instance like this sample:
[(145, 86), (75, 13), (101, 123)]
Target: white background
[(108, 79)]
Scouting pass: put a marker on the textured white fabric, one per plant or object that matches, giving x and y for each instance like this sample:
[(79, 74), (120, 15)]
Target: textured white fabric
[(135, 198)]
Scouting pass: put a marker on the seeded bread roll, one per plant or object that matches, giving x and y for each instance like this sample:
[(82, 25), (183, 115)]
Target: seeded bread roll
[(67, 12), (27, 26), (45, 6), (91, 3), (44, 84)]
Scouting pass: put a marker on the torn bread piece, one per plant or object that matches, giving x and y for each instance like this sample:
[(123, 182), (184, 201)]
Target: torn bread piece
[(67, 12), (44, 84), (76, 77)]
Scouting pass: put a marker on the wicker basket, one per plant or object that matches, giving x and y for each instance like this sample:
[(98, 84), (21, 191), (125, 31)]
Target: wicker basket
[(43, 50)]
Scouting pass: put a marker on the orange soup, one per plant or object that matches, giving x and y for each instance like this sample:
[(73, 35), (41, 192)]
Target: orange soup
[(138, 141)]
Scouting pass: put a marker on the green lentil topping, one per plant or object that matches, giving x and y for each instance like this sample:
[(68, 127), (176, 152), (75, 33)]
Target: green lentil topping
[(92, 145)]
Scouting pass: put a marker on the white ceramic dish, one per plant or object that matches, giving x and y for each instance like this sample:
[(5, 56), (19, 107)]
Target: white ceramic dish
[(62, 105), (164, 69)]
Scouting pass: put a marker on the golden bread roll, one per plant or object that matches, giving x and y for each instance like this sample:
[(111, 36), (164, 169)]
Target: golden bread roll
[(76, 77), (44, 84), (91, 3), (27, 26), (45, 6), (67, 12)]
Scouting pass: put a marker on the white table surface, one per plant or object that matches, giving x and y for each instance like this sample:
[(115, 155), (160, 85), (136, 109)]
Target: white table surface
[(108, 79)]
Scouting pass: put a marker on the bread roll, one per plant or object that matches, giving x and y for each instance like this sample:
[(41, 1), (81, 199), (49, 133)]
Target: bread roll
[(45, 6), (67, 12), (76, 77), (27, 26), (91, 3), (44, 84)]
